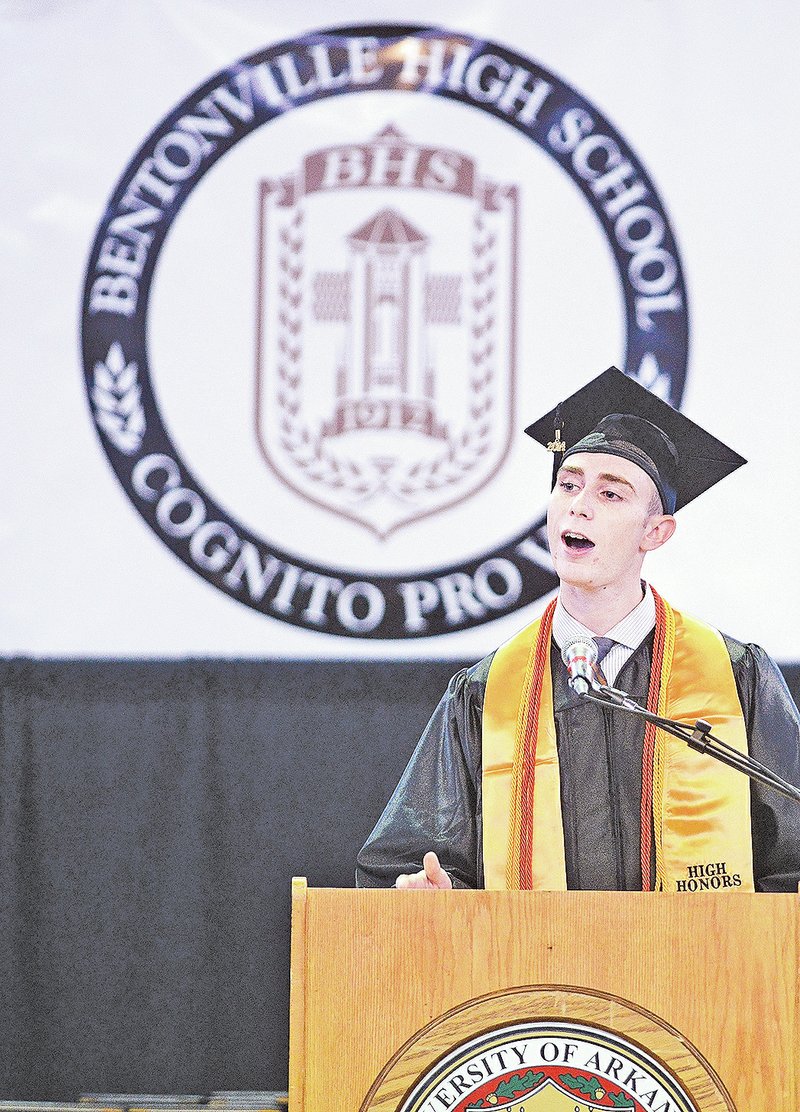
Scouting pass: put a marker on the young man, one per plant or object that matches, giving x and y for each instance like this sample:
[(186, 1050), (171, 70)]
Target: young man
[(519, 782)]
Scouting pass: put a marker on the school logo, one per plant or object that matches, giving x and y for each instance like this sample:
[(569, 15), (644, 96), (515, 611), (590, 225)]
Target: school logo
[(326, 294), (548, 1067), (385, 382)]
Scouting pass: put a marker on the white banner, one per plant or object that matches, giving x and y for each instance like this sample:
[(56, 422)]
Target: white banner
[(283, 287)]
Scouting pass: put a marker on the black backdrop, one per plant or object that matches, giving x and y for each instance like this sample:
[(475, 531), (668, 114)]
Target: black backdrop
[(152, 815)]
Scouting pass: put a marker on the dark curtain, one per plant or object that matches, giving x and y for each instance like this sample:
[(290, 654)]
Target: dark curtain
[(152, 816)]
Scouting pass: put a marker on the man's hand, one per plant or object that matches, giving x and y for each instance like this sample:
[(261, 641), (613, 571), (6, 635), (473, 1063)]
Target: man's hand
[(432, 875)]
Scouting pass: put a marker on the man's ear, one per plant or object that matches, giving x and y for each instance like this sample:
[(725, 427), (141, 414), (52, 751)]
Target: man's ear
[(657, 532)]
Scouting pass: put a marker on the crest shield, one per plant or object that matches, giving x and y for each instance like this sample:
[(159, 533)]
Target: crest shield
[(385, 362)]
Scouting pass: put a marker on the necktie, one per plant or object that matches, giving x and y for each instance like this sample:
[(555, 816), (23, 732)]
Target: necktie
[(604, 645)]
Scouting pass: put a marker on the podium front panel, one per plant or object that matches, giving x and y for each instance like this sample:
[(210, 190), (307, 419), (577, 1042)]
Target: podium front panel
[(387, 984)]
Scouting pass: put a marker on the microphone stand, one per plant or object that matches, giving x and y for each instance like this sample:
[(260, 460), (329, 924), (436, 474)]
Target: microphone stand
[(697, 737)]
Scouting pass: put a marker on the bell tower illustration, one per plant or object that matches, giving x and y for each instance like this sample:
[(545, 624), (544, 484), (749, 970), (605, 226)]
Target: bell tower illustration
[(387, 367)]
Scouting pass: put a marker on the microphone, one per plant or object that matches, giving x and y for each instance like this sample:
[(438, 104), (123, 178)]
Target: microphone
[(579, 656)]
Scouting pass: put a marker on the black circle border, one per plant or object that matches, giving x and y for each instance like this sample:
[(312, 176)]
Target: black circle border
[(669, 343)]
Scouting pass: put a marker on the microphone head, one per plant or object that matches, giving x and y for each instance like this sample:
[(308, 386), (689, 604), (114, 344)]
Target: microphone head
[(579, 655), (579, 648)]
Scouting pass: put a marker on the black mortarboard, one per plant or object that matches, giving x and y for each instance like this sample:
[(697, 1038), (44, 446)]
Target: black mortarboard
[(615, 415)]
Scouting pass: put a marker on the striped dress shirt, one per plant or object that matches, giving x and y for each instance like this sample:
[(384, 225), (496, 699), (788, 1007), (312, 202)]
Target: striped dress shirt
[(628, 634)]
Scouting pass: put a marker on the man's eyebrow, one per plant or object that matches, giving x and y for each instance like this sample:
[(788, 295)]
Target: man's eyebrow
[(607, 477)]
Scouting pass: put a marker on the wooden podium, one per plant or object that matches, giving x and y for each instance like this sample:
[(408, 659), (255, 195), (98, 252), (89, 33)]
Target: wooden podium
[(402, 1000)]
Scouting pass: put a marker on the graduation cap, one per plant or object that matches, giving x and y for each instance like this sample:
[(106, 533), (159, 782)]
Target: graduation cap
[(615, 415)]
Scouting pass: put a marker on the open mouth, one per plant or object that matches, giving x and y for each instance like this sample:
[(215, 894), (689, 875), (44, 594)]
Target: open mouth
[(577, 542)]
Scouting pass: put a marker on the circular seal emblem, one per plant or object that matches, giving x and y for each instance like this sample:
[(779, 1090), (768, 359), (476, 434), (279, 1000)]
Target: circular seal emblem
[(548, 1049), (314, 404), (548, 1067)]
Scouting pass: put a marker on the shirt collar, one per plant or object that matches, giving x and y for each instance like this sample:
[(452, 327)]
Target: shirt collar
[(631, 631)]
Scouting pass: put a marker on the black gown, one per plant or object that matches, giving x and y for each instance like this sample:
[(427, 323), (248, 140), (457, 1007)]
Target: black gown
[(437, 804)]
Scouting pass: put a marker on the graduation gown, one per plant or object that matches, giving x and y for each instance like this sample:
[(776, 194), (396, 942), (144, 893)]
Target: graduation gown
[(437, 804)]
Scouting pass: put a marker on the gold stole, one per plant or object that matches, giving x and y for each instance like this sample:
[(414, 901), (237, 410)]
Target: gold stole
[(700, 812)]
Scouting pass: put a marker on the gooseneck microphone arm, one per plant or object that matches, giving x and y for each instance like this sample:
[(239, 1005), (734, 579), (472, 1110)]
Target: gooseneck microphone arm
[(697, 737)]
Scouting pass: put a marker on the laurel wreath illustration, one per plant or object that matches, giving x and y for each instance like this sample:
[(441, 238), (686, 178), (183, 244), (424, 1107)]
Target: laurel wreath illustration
[(652, 377), (306, 450), (462, 453), (515, 1086), (592, 1087), (117, 400), (520, 1084)]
